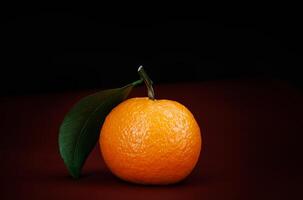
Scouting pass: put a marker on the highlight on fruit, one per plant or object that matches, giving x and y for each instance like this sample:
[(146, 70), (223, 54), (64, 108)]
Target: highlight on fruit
[(142, 140)]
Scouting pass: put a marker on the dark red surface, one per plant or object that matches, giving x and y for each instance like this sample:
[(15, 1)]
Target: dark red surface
[(252, 146)]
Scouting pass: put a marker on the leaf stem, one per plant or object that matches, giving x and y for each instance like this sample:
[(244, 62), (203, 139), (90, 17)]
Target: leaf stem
[(148, 82), (137, 82)]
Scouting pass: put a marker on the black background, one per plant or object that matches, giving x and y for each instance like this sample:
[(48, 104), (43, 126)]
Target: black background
[(59, 49), (252, 130)]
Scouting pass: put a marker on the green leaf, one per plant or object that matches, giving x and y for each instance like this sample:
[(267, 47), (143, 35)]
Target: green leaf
[(80, 129)]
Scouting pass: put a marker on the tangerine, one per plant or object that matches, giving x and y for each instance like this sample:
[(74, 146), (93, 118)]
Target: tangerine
[(150, 141)]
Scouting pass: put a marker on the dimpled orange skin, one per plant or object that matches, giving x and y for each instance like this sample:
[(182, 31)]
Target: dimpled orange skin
[(150, 141)]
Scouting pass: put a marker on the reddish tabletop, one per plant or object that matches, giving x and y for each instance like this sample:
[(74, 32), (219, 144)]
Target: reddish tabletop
[(252, 145)]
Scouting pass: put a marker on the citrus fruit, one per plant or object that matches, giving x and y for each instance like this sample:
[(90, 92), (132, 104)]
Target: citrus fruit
[(150, 141)]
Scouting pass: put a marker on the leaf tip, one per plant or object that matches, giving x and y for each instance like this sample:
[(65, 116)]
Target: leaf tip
[(75, 173)]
